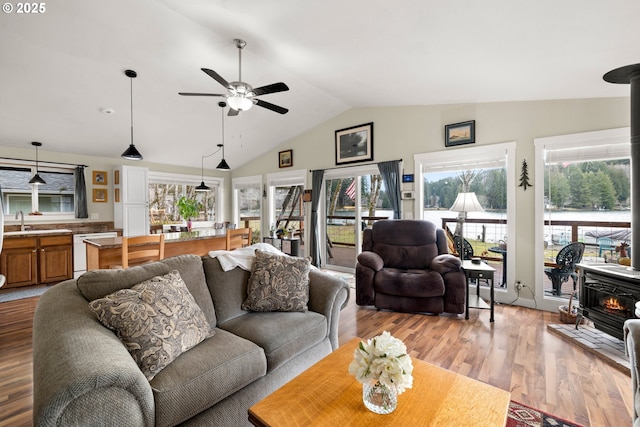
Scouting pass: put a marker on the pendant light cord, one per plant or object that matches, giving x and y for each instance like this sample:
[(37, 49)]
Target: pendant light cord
[(131, 99)]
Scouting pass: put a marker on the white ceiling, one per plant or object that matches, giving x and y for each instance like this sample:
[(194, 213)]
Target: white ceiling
[(58, 69)]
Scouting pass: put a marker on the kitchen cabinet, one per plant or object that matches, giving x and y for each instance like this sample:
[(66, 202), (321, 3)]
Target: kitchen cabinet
[(33, 260), (131, 210)]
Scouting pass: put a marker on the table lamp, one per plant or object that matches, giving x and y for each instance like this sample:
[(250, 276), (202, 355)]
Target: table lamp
[(465, 202)]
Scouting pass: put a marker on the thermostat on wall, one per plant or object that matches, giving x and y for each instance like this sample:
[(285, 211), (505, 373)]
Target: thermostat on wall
[(407, 178)]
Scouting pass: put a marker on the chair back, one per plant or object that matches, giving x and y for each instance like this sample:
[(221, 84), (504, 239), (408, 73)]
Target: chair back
[(569, 256), (405, 244), (467, 249), (238, 238), (142, 248)]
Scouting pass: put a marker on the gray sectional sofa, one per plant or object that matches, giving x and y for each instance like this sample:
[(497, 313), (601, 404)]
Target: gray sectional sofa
[(84, 375)]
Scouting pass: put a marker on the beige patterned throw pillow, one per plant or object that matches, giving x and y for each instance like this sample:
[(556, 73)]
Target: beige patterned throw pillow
[(277, 283), (157, 320)]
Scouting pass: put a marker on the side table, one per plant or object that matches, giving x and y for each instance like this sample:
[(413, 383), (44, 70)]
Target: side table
[(478, 271)]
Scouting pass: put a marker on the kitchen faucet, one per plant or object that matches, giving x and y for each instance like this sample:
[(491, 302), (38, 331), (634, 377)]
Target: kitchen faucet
[(21, 214)]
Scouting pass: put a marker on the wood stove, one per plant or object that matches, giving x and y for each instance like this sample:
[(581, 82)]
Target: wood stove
[(608, 295)]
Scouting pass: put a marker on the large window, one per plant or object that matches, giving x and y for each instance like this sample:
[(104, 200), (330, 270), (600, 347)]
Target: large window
[(54, 197), (489, 172), (166, 189), (583, 196), (247, 204)]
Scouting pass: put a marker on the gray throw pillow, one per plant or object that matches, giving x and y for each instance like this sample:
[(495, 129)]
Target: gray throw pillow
[(157, 320), (277, 283)]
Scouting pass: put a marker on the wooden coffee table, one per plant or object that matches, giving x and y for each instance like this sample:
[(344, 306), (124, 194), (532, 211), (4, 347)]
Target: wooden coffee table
[(326, 394)]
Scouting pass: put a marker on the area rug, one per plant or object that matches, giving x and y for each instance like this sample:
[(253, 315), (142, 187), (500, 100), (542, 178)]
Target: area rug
[(15, 294), (525, 416)]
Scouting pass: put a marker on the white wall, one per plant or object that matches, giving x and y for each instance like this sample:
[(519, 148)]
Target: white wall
[(401, 132)]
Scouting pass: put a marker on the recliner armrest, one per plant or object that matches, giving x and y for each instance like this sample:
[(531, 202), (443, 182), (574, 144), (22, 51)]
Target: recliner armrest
[(445, 263), (371, 260)]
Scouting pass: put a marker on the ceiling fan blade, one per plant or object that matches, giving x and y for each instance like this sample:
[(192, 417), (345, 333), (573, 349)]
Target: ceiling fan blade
[(199, 94), (271, 106), (216, 77), (272, 88), (233, 112)]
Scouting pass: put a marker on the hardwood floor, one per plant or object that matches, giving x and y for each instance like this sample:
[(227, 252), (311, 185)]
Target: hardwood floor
[(516, 353)]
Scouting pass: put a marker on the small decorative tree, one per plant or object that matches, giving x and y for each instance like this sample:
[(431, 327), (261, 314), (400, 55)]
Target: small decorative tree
[(524, 176), (188, 209)]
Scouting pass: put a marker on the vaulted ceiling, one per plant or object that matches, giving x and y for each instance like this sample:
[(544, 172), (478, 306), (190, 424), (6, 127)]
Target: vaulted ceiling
[(59, 70)]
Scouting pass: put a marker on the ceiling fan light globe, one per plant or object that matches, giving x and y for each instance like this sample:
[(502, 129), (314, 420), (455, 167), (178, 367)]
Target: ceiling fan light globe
[(239, 103)]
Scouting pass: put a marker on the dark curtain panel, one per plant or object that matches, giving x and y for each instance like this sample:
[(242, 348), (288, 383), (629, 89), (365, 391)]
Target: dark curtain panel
[(314, 246), (80, 193), (390, 172)]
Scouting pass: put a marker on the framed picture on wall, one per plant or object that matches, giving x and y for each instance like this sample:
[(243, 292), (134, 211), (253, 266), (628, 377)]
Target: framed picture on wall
[(285, 158), (354, 144), (100, 195), (99, 178), (460, 133)]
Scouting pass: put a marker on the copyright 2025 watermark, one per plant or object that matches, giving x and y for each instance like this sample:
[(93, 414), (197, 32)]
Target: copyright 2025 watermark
[(24, 8)]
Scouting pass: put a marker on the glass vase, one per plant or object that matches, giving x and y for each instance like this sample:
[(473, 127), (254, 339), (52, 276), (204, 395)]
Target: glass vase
[(379, 398)]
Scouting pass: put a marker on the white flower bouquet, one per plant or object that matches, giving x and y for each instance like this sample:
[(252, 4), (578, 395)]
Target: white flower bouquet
[(383, 359)]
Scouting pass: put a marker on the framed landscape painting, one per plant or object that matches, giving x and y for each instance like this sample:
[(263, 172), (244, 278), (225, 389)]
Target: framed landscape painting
[(460, 133), (354, 144)]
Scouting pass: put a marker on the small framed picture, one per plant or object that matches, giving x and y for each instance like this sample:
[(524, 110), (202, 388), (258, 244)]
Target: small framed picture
[(116, 177), (285, 158), (116, 195), (354, 144), (460, 133), (99, 178), (100, 195)]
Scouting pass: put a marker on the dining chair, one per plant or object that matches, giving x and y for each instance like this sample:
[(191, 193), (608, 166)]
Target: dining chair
[(238, 238), (148, 248)]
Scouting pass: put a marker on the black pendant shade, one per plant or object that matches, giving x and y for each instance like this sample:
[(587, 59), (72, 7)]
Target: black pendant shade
[(37, 179), (132, 152), (223, 164)]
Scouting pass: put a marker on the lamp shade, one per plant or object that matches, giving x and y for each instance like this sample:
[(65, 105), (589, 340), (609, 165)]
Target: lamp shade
[(131, 153), (37, 179), (203, 187), (223, 165), (466, 202)]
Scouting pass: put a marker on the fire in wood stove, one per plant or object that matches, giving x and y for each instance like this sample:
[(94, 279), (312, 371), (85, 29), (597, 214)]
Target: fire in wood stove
[(614, 305)]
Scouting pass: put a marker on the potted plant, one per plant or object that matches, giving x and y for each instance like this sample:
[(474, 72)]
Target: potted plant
[(188, 208)]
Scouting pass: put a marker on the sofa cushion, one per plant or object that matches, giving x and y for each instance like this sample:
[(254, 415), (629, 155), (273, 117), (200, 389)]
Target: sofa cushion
[(206, 374), (228, 288), (409, 283), (281, 335), (278, 283), (157, 320), (98, 283)]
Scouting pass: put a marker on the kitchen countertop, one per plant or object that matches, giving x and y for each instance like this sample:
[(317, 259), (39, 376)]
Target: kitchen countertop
[(201, 234), (36, 233)]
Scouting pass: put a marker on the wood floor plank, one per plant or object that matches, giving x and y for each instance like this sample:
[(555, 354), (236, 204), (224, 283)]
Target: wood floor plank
[(515, 353)]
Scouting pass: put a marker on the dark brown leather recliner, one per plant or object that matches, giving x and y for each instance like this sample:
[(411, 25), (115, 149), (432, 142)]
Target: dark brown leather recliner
[(405, 266)]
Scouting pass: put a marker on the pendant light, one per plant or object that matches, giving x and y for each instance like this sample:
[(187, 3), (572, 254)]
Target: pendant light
[(37, 179), (202, 186), (132, 152), (223, 163)]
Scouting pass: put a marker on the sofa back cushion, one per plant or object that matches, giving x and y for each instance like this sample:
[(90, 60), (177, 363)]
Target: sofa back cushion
[(228, 289), (99, 283), (404, 244)]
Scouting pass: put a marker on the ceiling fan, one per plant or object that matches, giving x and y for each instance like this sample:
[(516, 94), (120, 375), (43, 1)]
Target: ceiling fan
[(241, 95)]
